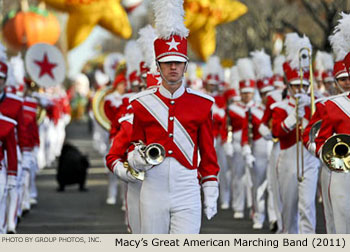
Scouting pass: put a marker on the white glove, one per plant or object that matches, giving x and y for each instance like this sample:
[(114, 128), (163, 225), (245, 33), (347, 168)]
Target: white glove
[(211, 195), (249, 160), (123, 173), (228, 148), (11, 182), (336, 163), (265, 132), (291, 121), (136, 160), (246, 150), (304, 99)]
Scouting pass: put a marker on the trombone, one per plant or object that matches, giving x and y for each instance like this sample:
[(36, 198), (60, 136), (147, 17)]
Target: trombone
[(299, 122)]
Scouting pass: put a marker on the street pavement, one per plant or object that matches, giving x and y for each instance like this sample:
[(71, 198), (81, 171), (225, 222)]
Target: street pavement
[(75, 212)]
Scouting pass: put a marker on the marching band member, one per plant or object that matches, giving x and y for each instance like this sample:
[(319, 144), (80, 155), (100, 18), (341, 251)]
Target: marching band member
[(255, 147), (335, 120), (272, 97), (212, 80), (298, 199), (170, 195)]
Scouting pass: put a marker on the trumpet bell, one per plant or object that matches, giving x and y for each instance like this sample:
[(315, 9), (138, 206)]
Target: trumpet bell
[(337, 146), (98, 107), (154, 154)]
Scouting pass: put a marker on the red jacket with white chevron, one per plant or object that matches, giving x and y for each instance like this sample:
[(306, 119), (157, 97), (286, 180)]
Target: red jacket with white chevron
[(181, 122), (8, 143)]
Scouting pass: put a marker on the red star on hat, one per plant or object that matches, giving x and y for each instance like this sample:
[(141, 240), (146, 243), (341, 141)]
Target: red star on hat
[(46, 66), (172, 44)]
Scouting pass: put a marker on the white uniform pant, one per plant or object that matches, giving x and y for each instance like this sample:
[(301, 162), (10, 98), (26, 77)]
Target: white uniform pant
[(340, 201), (238, 185), (3, 197), (170, 200), (133, 206), (261, 149), (298, 199), (325, 176), (224, 174), (274, 198)]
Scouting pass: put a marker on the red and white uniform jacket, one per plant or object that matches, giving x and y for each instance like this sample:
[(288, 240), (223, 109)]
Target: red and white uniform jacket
[(8, 143), (219, 117), (29, 113), (257, 112), (272, 97), (12, 106), (336, 119), (316, 117), (285, 132), (181, 122), (120, 143), (120, 112)]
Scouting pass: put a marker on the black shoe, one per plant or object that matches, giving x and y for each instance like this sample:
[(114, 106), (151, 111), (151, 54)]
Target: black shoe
[(273, 226)]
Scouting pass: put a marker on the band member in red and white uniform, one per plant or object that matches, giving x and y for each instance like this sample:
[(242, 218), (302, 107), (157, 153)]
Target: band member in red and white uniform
[(170, 200), (256, 149), (335, 120), (298, 198), (237, 115), (212, 79), (8, 143), (265, 130)]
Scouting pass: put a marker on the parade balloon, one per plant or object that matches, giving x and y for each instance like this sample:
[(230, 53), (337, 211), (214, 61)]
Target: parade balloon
[(85, 15), (23, 29), (45, 65), (202, 17)]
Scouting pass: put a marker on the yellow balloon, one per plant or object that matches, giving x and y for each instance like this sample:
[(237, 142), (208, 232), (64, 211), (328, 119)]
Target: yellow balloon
[(84, 15), (202, 17)]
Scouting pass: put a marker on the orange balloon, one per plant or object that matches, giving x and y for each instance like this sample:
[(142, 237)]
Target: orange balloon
[(28, 28)]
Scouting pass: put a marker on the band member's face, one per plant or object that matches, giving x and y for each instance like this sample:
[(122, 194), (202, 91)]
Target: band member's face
[(246, 97), (172, 71), (330, 87), (121, 88), (344, 83), (263, 96), (296, 89), (2, 83), (211, 88)]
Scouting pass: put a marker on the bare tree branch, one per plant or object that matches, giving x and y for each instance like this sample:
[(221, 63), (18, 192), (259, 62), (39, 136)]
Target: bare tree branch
[(312, 13)]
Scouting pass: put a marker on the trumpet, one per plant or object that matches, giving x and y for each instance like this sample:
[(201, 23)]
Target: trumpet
[(305, 61), (336, 153)]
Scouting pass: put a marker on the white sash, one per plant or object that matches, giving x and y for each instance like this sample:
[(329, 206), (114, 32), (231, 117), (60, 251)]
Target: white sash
[(160, 112), (343, 103)]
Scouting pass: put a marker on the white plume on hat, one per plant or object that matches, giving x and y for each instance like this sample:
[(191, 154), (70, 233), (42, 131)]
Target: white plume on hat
[(327, 61), (213, 67), (278, 65), (234, 77), (11, 80), (169, 18), (293, 45), (145, 42), (17, 65), (319, 62), (3, 55), (101, 78), (340, 40), (132, 55), (245, 69), (262, 64), (192, 71)]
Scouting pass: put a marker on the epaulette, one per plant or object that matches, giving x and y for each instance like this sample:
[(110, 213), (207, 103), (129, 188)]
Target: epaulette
[(237, 109), (15, 97), (324, 99), (281, 104), (127, 117), (8, 119), (143, 93), (191, 91), (30, 99)]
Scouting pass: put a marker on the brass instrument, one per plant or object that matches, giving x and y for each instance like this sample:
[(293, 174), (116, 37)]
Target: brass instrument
[(299, 123), (154, 154), (337, 146), (98, 107)]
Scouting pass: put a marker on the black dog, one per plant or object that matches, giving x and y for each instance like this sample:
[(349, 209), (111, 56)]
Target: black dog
[(72, 168)]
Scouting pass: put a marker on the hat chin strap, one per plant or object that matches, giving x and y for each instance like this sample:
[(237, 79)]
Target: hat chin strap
[(172, 82), (340, 88)]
